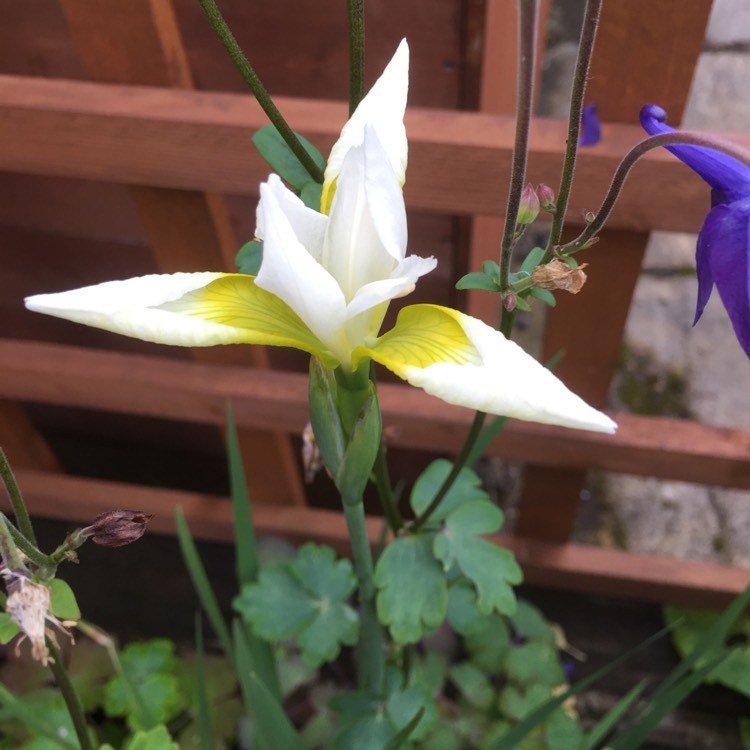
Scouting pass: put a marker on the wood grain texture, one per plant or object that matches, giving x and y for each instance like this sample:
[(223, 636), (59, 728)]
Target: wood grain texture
[(138, 41), (568, 567), (196, 392), (589, 328), (458, 161)]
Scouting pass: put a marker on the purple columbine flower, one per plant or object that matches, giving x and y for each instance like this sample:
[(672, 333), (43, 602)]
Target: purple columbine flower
[(724, 240), (591, 127)]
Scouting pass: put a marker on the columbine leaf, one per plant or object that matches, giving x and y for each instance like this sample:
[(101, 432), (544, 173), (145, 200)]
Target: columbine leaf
[(488, 647), (464, 615), (478, 280), (490, 568), (534, 662), (412, 596), (63, 604), (281, 158), (529, 623), (473, 684), (305, 599), (467, 487), (155, 739), (544, 295), (249, 257)]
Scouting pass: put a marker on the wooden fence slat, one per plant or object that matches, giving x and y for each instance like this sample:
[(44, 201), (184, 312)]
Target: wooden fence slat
[(23, 445), (573, 567), (458, 161), (138, 41), (589, 328), (196, 392)]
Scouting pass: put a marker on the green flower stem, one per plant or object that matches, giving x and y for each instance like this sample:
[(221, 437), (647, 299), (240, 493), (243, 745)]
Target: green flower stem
[(388, 500), (356, 18), (16, 499), (583, 62), (628, 162), (34, 555), (70, 696), (527, 23), (219, 25), (458, 464), (371, 647)]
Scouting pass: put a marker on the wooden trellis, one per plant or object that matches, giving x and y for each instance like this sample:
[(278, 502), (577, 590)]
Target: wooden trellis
[(127, 112)]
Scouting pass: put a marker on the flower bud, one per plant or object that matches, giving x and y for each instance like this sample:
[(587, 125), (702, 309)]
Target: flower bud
[(529, 207), (510, 301), (116, 528), (546, 197), (559, 275), (588, 216)]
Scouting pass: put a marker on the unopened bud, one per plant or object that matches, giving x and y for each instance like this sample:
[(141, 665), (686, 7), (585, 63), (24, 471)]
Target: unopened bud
[(546, 197), (311, 460), (510, 301), (528, 210), (588, 216), (559, 275), (116, 528)]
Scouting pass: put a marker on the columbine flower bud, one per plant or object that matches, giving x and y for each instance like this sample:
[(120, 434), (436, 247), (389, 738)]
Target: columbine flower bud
[(559, 275), (116, 528), (529, 208), (546, 197), (588, 216), (510, 301)]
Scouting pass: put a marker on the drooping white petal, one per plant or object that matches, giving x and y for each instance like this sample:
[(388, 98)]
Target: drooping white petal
[(291, 273), (384, 108), (465, 362), (131, 308), (309, 226)]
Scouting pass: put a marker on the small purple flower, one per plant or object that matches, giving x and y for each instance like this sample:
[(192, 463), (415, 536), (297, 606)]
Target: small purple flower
[(591, 127), (724, 240)]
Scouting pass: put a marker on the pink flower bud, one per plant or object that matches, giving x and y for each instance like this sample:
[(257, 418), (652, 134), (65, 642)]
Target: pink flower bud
[(546, 198), (529, 208)]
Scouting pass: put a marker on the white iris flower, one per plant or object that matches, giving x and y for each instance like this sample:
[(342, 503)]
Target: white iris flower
[(326, 281)]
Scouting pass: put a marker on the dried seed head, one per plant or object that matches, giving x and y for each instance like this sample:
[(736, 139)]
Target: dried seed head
[(116, 528), (559, 275), (28, 606)]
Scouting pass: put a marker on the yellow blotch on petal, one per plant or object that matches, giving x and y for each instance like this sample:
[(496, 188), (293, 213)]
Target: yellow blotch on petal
[(423, 335)]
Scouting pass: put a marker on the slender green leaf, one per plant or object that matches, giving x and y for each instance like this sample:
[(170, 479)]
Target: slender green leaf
[(605, 725), (512, 739), (713, 638), (249, 257), (244, 531), (486, 436), (201, 584), (205, 733), (403, 735), (478, 280), (273, 728), (543, 295), (658, 709)]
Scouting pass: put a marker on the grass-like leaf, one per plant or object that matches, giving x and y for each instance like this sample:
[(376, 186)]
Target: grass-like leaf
[(205, 733), (201, 584), (403, 735), (244, 531), (273, 730), (32, 719), (605, 725)]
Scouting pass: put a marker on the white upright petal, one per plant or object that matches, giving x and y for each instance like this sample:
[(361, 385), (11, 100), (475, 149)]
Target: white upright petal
[(309, 226), (384, 108), (291, 273), (131, 308)]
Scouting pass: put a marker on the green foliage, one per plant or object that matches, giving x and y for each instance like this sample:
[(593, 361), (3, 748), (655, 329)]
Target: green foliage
[(304, 599), (154, 739), (149, 671), (63, 604), (488, 279), (249, 257), (8, 628)]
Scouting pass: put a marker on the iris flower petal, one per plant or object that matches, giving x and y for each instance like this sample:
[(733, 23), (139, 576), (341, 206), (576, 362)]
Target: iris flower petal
[(185, 309), (727, 176), (383, 108), (465, 362), (290, 272)]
